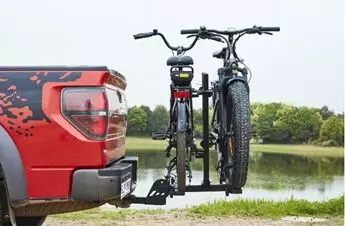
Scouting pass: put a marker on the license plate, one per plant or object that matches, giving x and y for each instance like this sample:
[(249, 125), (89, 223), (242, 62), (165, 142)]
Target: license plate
[(126, 185)]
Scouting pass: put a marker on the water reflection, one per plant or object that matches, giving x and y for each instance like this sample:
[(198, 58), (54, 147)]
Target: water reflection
[(270, 176), (278, 171)]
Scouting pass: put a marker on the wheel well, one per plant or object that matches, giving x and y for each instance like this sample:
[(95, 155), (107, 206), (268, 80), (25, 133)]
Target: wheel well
[(2, 175), (12, 169)]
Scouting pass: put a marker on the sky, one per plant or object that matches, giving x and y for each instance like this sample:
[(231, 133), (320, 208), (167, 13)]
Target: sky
[(302, 65)]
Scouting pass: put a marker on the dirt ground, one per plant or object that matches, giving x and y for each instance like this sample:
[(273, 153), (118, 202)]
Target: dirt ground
[(177, 220)]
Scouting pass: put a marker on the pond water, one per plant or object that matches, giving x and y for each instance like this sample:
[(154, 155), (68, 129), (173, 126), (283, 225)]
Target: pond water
[(270, 176)]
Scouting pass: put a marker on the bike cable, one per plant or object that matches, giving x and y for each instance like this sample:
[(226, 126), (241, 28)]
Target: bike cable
[(250, 72)]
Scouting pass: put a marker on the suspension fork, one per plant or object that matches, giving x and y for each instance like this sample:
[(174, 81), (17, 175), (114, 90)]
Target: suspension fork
[(222, 121), (223, 134), (221, 111), (215, 103)]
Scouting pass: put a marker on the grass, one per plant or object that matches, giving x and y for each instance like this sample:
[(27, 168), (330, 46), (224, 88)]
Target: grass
[(333, 208), (271, 209), (147, 144), (306, 150), (144, 144), (99, 214)]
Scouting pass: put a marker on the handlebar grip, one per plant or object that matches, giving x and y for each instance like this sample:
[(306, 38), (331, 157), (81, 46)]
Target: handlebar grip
[(143, 35), (189, 31), (268, 29)]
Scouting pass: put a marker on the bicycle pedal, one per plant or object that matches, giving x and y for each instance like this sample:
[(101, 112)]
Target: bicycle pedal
[(210, 143), (199, 154), (159, 136), (167, 151)]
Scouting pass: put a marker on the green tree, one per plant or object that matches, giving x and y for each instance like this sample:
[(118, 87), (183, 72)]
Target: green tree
[(341, 115), (264, 118), (137, 121), (159, 119), (326, 113), (148, 113), (298, 125), (197, 118), (146, 109), (332, 131)]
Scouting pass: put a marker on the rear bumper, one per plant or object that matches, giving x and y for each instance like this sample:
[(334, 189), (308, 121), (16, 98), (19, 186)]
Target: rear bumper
[(105, 183)]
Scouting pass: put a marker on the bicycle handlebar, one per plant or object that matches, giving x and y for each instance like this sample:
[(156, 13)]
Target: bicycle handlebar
[(254, 29), (202, 31), (189, 31), (272, 29), (143, 35), (155, 32)]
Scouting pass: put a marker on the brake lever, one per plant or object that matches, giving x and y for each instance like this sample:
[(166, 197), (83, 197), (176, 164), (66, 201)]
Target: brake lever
[(189, 36), (267, 33)]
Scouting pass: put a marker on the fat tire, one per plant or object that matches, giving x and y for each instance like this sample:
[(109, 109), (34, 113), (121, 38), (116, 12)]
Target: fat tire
[(238, 110), (181, 157)]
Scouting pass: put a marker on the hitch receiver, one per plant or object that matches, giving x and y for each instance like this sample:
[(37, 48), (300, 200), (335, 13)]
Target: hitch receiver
[(158, 194)]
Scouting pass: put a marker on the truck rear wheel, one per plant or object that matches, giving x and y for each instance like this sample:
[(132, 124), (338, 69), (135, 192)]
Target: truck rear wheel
[(4, 212), (30, 221), (4, 216)]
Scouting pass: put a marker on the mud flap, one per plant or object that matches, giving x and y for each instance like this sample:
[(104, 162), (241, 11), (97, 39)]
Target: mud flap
[(181, 117)]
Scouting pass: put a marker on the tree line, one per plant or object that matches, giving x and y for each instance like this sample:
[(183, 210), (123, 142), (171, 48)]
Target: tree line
[(276, 123)]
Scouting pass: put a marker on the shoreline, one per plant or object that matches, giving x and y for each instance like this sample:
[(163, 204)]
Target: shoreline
[(142, 144)]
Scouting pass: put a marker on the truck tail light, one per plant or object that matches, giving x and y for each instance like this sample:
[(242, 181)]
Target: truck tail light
[(87, 110)]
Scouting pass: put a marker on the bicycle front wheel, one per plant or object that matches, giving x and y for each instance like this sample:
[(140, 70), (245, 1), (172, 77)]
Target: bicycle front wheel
[(238, 122)]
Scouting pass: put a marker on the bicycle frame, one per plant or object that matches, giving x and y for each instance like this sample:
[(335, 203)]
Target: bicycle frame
[(226, 75), (181, 107)]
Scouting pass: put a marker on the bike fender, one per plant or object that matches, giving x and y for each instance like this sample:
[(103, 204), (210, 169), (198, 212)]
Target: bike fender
[(182, 117), (12, 168), (228, 81)]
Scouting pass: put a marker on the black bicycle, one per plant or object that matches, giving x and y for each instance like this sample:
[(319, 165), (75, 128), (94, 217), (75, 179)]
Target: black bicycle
[(231, 124), (180, 130), (230, 127)]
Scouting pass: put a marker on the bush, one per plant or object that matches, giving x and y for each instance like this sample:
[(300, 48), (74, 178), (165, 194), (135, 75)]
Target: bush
[(328, 143), (332, 131)]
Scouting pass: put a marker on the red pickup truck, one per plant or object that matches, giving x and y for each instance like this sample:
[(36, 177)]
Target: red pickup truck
[(62, 141)]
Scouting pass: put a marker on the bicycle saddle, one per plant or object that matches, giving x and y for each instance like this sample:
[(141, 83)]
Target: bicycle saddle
[(220, 53), (180, 60)]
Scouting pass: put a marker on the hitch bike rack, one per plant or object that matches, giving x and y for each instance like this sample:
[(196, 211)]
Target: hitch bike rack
[(162, 188)]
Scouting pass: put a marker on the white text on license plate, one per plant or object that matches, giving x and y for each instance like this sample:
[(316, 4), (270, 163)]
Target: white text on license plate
[(125, 185)]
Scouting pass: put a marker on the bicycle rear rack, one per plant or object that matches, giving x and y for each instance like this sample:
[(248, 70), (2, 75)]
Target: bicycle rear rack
[(162, 188)]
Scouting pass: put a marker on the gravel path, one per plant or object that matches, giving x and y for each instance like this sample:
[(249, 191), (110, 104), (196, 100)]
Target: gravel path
[(177, 220)]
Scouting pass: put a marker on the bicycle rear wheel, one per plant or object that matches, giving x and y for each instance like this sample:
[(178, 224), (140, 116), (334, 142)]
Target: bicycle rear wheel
[(181, 156), (181, 146), (238, 122)]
